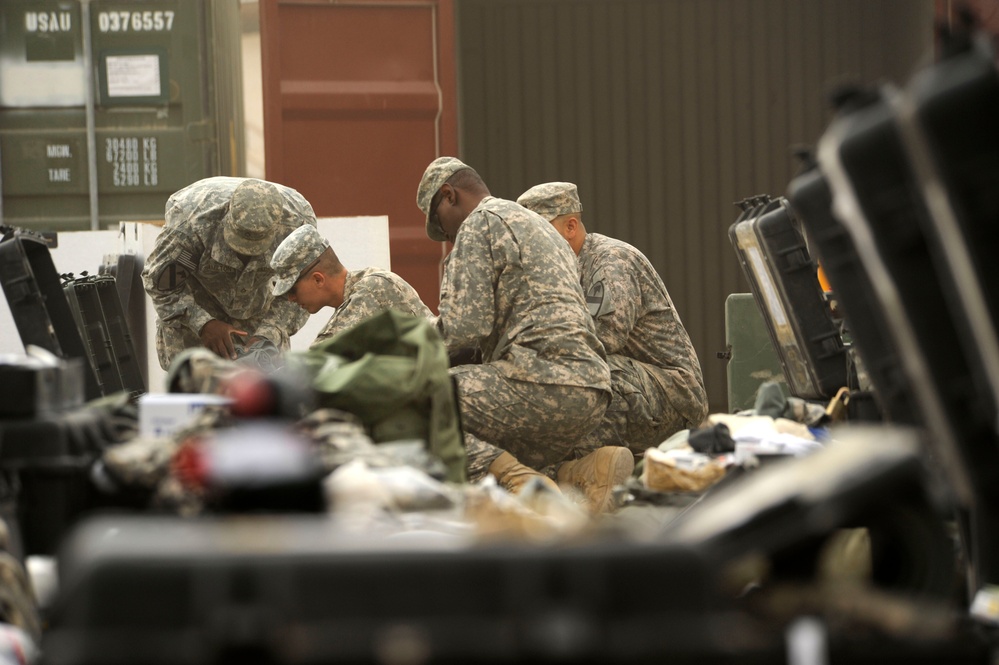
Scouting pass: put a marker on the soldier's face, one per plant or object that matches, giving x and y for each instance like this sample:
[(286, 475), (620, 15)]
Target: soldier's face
[(306, 294), (448, 214)]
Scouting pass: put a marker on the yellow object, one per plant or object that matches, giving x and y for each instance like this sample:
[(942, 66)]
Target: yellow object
[(823, 282)]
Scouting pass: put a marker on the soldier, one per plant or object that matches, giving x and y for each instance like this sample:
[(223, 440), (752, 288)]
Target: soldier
[(310, 274), (511, 291), (655, 374), (209, 275)]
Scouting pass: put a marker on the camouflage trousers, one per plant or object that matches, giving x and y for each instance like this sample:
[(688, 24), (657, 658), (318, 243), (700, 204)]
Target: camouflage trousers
[(172, 339), (537, 423), (643, 412)]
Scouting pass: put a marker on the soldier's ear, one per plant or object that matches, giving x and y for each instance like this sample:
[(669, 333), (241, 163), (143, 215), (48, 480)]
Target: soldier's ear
[(571, 226)]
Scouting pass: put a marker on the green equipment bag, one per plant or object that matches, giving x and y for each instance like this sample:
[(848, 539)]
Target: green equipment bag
[(391, 371)]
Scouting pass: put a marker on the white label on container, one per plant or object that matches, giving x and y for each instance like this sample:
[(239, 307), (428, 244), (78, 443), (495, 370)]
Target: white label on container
[(133, 75)]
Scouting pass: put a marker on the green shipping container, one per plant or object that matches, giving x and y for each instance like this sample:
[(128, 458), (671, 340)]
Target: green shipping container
[(106, 108)]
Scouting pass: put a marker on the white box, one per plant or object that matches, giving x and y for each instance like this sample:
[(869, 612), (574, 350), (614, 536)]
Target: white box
[(162, 414)]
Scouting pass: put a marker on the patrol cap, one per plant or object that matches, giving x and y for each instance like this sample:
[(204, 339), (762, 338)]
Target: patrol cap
[(434, 177), (294, 255), (552, 199), (254, 211)]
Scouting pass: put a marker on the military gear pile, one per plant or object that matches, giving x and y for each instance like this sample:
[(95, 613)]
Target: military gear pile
[(391, 372)]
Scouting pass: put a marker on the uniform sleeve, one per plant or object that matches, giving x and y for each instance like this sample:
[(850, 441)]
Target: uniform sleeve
[(394, 296), (282, 320), (166, 278), (468, 294), (615, 298)]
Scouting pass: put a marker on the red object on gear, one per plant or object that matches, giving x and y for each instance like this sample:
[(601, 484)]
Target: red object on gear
[(189, 463), (253, 396)]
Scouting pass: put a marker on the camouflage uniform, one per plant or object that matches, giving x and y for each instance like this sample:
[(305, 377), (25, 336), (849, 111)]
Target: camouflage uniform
[(365, 292), (194, 275), (368, 292), (511, 290), (655, 374)]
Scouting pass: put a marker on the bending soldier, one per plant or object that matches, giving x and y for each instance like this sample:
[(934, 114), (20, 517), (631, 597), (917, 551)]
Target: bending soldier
[(209, 275), (310, 275)]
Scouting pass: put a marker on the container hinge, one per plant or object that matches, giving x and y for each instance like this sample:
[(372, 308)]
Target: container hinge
[(203, 130)]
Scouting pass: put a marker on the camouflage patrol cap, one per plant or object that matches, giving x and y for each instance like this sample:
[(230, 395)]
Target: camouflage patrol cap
[(434, 177), (552, 199), (294, 255), (254, 211)]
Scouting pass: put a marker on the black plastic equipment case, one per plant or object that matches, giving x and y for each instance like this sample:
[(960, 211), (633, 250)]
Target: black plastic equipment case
[(783, 279), (30, 386), (38, 304), (303, 589), (127, 270), (96, 308), (871, 476), (298, 589), (869, 333), (878, 198), (46, 461), (947, 117), (784, 517)]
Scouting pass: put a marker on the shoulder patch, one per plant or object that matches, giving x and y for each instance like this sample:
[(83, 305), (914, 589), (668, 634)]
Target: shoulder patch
[(172, 277), (595, 299)]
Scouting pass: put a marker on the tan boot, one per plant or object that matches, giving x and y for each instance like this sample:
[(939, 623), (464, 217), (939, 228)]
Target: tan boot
[(514, 476), (597, 474)]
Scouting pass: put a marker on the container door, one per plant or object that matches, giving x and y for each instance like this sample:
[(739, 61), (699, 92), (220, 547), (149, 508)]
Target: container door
[(146, 95), (358, 98)]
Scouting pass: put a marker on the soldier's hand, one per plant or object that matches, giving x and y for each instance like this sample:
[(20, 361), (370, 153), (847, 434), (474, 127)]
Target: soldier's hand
[(217, 337)]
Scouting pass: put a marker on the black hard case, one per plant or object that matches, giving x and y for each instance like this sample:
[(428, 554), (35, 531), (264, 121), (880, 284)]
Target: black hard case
[(309, 589), (949, 115), (47, 460), (872, 476), (96, 308), (300, 589), (37, 302), (878, 197), (854, 293), (783, 279), (127, 270), (29, 387)]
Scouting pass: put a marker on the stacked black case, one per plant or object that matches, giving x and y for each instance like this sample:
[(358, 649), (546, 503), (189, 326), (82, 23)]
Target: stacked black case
[(38, 304), (878, 196), (782, 275), (301, 589), (96, 308), (854, 293)]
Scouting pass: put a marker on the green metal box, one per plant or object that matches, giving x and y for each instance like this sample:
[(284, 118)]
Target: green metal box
[(752, 360), (108, 107)]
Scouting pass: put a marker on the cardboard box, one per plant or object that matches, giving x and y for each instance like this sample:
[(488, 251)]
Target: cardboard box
[(162, 414)]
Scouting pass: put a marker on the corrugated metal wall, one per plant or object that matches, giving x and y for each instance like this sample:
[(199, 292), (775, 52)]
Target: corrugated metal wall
[(665, 112)]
